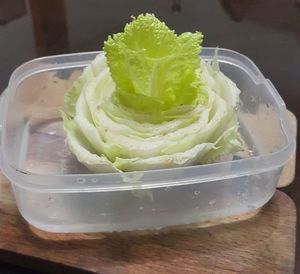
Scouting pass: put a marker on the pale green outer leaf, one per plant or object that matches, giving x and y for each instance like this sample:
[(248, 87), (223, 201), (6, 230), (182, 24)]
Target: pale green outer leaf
[(83, 151), (88, 73)]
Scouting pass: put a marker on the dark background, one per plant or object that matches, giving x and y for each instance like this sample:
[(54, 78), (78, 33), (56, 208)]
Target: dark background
[(267, 31)]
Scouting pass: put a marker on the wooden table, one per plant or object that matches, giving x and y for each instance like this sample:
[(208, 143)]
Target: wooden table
[(260, 242)]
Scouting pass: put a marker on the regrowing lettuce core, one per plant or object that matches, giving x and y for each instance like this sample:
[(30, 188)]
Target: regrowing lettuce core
[(150, 102)]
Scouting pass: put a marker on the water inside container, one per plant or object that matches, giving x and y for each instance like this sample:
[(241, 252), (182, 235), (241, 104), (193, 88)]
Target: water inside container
[(43, 150)]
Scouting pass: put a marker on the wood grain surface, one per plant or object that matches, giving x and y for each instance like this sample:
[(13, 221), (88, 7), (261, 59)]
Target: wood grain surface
[(260, 242)]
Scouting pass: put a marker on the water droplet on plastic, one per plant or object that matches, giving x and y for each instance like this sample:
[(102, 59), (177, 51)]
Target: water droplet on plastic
[(244, 195), (52, 132), (141, 208), (80, 180), (197, 192), (94, 180), (212, 202)]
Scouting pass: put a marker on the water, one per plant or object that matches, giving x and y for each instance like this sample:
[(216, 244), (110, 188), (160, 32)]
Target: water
[(43, 151)]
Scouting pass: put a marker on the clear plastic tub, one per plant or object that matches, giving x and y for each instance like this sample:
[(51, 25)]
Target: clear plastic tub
[(55, 193)]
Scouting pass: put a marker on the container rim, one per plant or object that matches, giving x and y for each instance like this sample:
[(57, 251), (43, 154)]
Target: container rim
[(225, 55), (61, 183), (68, 183)]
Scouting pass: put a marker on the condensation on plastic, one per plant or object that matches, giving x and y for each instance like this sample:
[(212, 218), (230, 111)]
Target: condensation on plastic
[(55, 193)]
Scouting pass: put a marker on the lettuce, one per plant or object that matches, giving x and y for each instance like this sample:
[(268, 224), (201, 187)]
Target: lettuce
[(150, 102), (152, 66)]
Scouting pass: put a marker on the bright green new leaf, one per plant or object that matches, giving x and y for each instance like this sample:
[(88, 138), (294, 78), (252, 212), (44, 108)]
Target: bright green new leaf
[(154, 69)]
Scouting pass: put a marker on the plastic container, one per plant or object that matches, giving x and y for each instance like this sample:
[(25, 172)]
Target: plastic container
[(55, 193)]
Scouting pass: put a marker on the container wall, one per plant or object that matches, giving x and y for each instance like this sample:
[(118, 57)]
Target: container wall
[(33, 117), (34, 143), (258, 111), (145, 209), (35, 140)]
